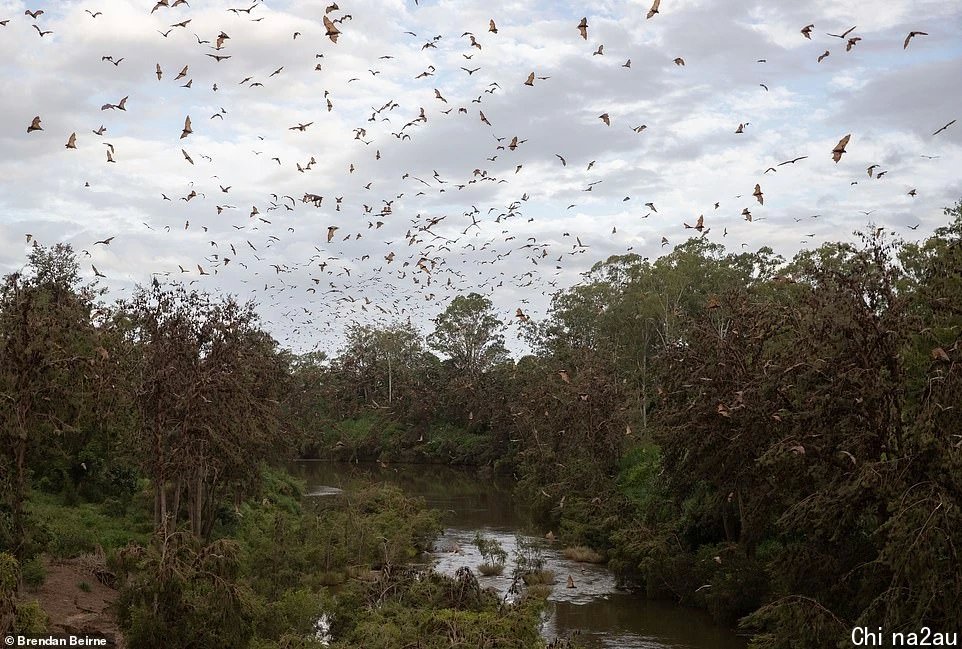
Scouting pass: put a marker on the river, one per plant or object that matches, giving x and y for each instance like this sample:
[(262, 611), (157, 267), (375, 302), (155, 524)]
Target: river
[(469, 502)]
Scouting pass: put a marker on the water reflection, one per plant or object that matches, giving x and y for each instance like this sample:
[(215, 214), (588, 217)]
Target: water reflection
[(471, 501)]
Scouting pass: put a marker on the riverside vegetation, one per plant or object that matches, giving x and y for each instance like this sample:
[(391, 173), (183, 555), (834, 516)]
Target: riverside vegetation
[(777, 441)]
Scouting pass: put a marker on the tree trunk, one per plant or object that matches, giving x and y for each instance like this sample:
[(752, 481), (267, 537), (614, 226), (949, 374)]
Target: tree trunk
[(159, 478), (161, 488), (644, 391), (209, 506), (19, 494), (175, 510), (195, 504), (745, 534)]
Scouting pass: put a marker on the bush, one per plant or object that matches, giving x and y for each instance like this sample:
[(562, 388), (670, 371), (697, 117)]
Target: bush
[(583, 554), (493, 554), (739, 584), (432, 611), (491, 569), (296, 613), (31, 618), (373, 527), (290, 641), (71, 530), (9, 582), (539, 591), (177, 592), (539, 578), (33, 572)]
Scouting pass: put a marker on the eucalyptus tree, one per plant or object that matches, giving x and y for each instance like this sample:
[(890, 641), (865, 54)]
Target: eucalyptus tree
[(470, 335), (207, 383), (51, 364)]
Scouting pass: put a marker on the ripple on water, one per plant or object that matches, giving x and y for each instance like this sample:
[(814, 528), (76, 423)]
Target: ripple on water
[(604, 617), (591, 580), (323, 490)]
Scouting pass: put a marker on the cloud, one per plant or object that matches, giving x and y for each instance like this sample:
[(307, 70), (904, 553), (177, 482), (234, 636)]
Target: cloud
[(448, 190)]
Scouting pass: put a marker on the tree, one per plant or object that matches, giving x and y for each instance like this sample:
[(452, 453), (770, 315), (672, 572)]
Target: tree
[(469, 334), (207, 383), (385, 362), (50, 369)]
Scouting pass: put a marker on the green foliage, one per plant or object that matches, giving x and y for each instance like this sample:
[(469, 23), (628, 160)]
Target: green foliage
[(50, 370), (179, 592), (294, 614), (469, 334), (206, 384), (372, 528), (17, 615), (31, 618), (493, 554), (289, 641), (33, 572), (9, 584), (582, 554), (9, 574), (72, 529), (759, 438), (529, 565), (738, 584), (365, 437), (639, 477), (454, 444), (491, 550), (281, 489), (815, 625), (433, 612)]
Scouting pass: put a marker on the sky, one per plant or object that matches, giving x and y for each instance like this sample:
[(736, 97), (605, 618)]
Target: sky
[(458, 208)]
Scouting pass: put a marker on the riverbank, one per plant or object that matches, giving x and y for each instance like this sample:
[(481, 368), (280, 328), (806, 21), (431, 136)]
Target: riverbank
[(376, 438), (278, 564), (594, 611)]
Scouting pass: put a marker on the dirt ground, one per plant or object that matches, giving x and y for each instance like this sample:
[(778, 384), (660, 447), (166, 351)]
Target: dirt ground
[(70, 607)]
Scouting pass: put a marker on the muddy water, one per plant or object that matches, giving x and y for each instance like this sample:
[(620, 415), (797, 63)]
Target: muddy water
[(470, 503)]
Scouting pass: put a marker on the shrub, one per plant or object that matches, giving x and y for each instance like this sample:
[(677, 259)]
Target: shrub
[(31, 618), (9, 581), (493, 554), (539, 578), (33, 572), (491, 569), (539, 591), (582, 554), (179, 593)]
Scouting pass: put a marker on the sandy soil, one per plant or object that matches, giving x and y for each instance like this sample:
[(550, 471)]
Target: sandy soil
[(71, 609)]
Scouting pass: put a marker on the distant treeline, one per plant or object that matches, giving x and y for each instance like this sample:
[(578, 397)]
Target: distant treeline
[(778, 441)]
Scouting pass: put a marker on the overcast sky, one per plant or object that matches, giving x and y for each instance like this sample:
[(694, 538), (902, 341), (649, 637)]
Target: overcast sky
[(444, 193)]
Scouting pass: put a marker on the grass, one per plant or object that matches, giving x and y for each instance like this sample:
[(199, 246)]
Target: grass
[(75, 529), (491, 569), (582, 554), (539, 578), (539, 591)]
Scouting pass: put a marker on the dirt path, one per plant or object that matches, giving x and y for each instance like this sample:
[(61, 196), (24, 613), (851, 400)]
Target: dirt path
[(76, 600)]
